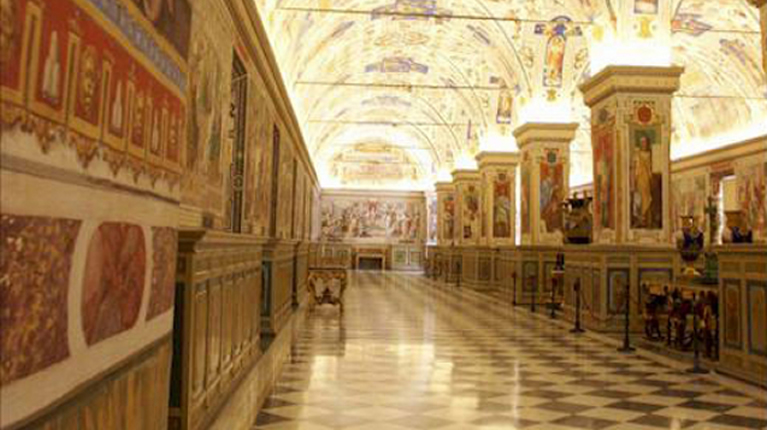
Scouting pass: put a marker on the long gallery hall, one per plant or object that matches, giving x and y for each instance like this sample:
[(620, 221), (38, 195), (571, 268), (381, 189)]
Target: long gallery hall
[(383, 214)]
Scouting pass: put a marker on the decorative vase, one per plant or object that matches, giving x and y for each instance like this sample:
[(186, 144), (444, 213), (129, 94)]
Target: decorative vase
[(737, 230), (690, 245), (578, 220)]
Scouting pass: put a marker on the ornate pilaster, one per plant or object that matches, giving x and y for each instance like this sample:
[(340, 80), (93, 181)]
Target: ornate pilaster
[(545, 171), (445, 213), (762, 6), (468, 208), (630, 137), (498, 179)]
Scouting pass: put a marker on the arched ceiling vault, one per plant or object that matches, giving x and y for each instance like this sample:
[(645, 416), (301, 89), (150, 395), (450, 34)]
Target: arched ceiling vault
[(397, 92)]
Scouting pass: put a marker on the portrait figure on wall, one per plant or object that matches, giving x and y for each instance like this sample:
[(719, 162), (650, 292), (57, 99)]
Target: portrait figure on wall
[(732, 315), (505, 102), (757, 317), (752, 197), (432, 207), (552, 192), (172, 19), (502, 206), (525, 197), (206, 95), (603, 143), (617, 282), (557, 31), (689, 199), (449, 216), (470, 211), (646, 178)]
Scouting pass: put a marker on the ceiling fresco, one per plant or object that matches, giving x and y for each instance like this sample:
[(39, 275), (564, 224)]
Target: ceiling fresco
[(396, 93)]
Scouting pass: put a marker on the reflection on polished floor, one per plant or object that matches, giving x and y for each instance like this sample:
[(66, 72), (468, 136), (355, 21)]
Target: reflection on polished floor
[(409, 353)]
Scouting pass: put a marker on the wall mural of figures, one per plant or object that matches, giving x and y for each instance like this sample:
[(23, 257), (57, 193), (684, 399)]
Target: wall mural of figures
[(449, 217), (285, 189), (470, 215), (617, 281), (525, 197), (752, 197), (431, 208), (502, 189), (557, 31), (646, 178), (365, 218), (504, 111), (603, 144), (172, 19), (209, 98), (552, 191), (690, 198)]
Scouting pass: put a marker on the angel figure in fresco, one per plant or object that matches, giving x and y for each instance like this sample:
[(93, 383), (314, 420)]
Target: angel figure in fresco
[(555, 59), (643, 180)]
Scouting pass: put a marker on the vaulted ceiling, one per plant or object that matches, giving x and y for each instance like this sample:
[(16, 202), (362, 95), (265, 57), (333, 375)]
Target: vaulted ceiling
[(396, 93)]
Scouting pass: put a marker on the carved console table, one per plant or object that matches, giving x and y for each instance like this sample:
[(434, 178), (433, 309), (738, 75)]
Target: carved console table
[(327, 285)]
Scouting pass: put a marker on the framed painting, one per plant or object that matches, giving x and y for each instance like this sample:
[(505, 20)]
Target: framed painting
[(617, 284)]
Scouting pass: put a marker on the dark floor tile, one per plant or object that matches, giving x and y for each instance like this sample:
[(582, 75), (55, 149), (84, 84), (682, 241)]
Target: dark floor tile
[(635, 406), (546, 394), (671, 392), (660, 421), (707, 406), (566, 407), (503, 421), (610, 394), (739, 421), (423, 422), (579, 421)]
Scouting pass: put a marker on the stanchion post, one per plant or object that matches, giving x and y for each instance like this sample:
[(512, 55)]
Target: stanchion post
[(627, 348), (696, 367), (577, 289), (553, 297), (514, 297)]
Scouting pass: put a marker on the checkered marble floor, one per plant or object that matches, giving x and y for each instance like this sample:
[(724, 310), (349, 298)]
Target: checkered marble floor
[(409, 353)]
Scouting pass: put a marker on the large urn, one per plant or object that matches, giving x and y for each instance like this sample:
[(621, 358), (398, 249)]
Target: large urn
[(690, 245), (578, 220)]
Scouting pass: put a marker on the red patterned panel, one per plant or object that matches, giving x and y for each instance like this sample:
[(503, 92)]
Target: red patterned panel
[(35, 261), (114, 280)]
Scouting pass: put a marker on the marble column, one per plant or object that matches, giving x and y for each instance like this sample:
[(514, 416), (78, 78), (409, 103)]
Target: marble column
[(445, 213), (545, 172), (498, 179), (762, 5), (630, 136), (468, 207)]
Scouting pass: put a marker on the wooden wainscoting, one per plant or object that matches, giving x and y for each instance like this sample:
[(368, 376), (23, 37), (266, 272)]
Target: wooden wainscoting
[(217, 322)]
